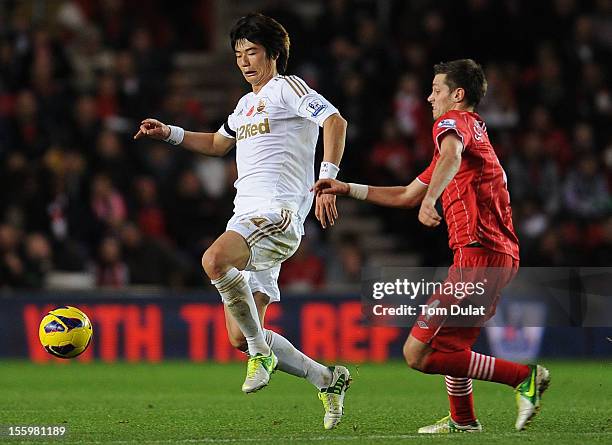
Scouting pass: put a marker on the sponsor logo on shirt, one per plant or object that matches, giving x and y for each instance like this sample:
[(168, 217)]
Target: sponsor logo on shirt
[(316, 107), (247, 130), (447, 123)]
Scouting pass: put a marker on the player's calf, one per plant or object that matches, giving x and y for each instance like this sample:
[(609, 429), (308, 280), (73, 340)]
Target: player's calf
[(239, 342)]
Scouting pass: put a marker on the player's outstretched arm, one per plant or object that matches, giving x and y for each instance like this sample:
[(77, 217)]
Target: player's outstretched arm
[(334, 135), (210, 144), (446, 168), (399, 196)]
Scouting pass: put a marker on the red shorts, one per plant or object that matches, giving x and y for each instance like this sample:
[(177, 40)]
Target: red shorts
[(478, 261)]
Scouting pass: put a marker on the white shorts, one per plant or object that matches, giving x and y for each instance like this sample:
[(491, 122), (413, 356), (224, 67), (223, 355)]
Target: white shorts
[(273, 235)]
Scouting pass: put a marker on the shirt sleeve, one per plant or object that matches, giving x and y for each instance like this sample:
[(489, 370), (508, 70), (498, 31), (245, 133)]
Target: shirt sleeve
[(425, 177), (228, 129), (305, 102), (451, 123)]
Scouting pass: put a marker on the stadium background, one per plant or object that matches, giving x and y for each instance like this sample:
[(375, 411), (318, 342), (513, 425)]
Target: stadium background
[(91, 218)]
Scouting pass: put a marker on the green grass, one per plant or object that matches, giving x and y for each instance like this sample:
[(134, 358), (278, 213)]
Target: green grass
[(202, 403)]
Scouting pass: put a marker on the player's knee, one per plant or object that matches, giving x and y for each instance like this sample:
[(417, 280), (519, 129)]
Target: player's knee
[(213, 263), (413, 357)]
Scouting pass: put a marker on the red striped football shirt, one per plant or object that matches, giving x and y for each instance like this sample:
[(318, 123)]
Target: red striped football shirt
[(476, 202)]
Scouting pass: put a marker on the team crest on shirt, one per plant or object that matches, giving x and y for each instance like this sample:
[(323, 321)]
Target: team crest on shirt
[(259, 109), (316, 107), (261, 106), (478, 130), (447, 123)]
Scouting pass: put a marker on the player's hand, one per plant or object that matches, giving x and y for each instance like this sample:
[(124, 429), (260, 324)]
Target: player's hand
[(330, 187), (428, 214), (153, 129), (325, 209)]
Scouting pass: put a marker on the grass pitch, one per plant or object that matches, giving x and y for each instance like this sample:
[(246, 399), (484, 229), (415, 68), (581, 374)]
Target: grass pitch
[(202, 403)]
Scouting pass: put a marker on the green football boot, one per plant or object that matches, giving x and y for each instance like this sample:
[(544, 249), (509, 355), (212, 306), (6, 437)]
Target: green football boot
[(259, 369), (447, 426), (528, 395), (333, 396)]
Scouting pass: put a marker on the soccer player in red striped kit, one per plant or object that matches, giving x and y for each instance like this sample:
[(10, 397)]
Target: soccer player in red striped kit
[(467, 176)]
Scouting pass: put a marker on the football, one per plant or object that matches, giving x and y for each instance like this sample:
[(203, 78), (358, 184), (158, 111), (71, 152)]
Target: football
[(65, 332)]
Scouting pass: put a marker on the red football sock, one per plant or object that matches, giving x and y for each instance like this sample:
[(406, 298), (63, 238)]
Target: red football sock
[(477, 366), (460, 398)]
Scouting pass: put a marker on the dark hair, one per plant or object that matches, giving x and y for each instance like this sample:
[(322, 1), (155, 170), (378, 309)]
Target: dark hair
[(466, 74), (267, 32)]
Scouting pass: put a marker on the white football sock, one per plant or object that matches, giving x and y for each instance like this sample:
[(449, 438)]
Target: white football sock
[(294, 362), (238, 298)]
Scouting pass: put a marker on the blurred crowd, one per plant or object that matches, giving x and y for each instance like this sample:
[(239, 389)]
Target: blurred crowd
[(79, 196)]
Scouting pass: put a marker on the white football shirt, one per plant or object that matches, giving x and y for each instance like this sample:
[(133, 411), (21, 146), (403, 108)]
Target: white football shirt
[(276, 132)]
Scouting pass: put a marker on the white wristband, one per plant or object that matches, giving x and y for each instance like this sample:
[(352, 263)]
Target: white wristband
[(328, 170), (176, 135), (358, 191)]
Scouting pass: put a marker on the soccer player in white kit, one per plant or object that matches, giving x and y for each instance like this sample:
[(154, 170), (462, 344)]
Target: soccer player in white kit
[(275, 129)]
